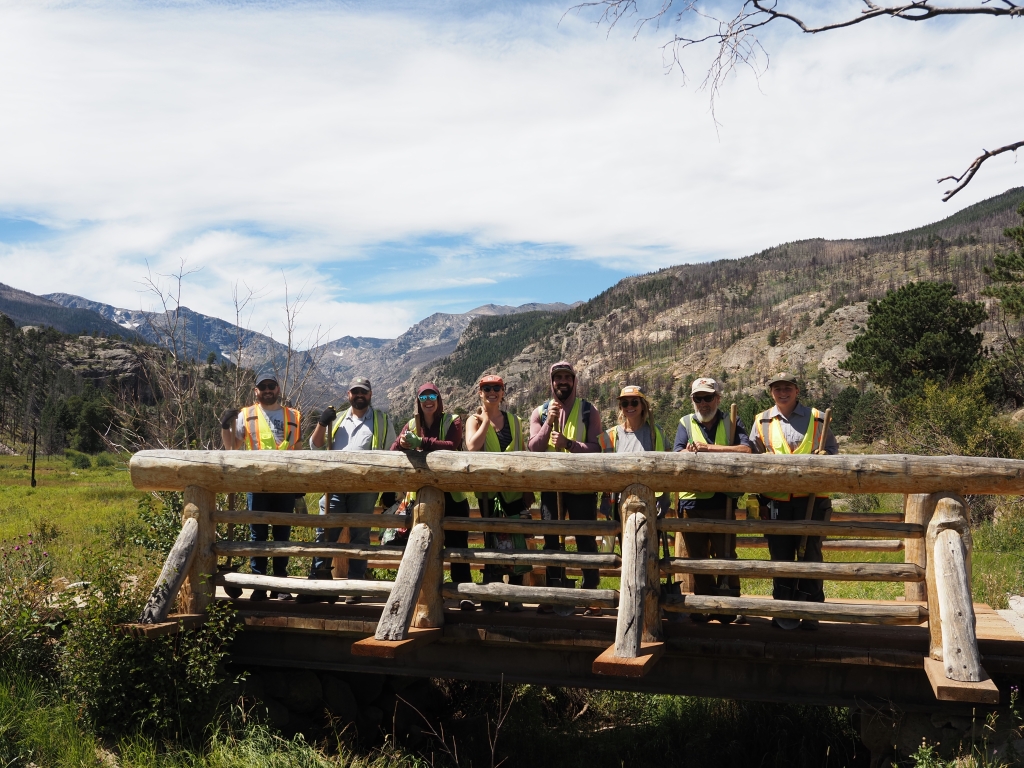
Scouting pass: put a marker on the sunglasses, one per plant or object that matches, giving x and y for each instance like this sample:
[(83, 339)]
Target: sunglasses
[(629, 403), (704, 398), (428, 397), (491, 387), (266, 387), (358, 392)]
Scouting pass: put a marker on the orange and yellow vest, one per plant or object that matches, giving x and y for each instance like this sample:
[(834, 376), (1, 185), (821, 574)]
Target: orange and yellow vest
[(259, 435), (774, 441)]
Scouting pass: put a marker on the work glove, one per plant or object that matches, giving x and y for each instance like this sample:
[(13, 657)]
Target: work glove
[(414, 440), (328, 416), (228, 418), (821, 452)]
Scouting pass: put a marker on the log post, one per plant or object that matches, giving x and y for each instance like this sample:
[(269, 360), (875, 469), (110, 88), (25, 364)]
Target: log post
[(632, 587), (960, 656), (198, 590), (397, 615), (950, 514), (429, 510), (172, 575), (640, 498), (917, 508)]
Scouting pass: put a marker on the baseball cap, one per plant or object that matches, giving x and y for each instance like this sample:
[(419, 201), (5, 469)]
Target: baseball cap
[(780, 377), (632, 391), (266, 374), (705, 384), (360, 382), (491, 379)]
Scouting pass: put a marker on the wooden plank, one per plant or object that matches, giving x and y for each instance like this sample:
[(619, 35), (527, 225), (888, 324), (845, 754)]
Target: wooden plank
[(983, 691), (604, 598), (174, 623), (959, 645), (429, 511), (172, 575), (534, 527), (768, 569), (608, 663), (364, 471), (629, 624), (396, 618), (532, 557), (390, 649), (304, 586), (833, 545), (197, 591), (894, 613), (304, 549), (792, 527), (335, 520)]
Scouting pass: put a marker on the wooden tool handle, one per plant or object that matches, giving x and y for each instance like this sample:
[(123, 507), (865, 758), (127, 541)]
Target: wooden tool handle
[(810, 499)]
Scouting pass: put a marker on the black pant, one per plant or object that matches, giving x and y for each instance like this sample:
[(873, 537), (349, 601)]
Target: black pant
[(457, 539), (701, 546), (577, 506), (493, 573), (270, 502), (786, 548)]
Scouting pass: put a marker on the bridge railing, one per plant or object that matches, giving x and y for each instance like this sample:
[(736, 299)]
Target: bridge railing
[(935, 536)]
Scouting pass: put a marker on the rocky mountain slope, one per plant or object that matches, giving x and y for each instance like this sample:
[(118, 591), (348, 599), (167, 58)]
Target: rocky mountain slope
[(793, 306), (28, 309)]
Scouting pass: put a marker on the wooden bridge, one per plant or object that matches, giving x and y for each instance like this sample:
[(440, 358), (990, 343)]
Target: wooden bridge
[(933, 649)]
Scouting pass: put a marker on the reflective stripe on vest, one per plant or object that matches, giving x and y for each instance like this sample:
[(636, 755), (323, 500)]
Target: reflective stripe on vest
[(446, 423), (259, 436), (380, 429), (775, 442), (573, 426), (492, 445), (697, 436)]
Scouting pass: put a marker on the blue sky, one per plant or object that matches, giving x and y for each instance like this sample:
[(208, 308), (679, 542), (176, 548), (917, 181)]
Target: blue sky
[(391, 161)]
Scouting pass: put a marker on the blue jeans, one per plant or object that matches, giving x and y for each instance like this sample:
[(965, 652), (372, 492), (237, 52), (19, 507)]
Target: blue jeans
[(352, 504), (270, 502)]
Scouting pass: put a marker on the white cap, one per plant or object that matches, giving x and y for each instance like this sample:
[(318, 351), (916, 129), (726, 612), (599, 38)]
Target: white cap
[(706, 384)]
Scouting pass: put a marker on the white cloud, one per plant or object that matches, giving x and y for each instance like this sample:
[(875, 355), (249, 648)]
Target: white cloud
[(249, 139)]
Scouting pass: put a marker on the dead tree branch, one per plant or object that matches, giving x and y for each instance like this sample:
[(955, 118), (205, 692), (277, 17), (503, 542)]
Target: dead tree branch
[(965, 178)]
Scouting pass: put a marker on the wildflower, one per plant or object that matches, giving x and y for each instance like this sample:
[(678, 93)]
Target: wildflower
[(17, 548)]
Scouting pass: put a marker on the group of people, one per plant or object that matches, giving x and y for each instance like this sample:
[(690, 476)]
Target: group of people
[(564, 423)]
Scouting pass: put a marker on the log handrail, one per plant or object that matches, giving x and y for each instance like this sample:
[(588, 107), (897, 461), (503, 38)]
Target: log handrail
[(769, 569), (532, 557), (797, 609), (834, 545), (793, 527), (334, 520), (364, 471), (304, 549), (538, 527)]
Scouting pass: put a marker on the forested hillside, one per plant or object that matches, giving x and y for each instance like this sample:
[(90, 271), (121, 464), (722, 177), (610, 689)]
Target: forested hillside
[(794, 305)]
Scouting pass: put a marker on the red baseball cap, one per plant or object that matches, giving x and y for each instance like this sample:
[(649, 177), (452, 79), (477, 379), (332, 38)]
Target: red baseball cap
[(491, 379)]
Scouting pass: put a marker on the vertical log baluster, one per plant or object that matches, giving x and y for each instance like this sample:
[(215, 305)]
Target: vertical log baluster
[(632, 587), (429, 510), (640, 498), (198, 590), (918, 508), (950, 514)]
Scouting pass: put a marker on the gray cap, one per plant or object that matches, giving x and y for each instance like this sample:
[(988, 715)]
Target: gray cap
[(360, 382), (266, 374), (780, 377)]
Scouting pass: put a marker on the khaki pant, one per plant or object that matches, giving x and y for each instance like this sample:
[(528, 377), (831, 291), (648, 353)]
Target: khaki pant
[(702, 546)]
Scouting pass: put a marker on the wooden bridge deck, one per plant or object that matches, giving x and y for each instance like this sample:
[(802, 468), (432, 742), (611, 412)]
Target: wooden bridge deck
[(840, 664)]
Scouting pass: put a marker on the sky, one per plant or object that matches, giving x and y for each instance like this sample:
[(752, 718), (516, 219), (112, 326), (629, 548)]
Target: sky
[(388, 161)]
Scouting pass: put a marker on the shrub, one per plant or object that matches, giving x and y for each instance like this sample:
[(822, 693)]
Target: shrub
[(871, 418), (105, 460), (843, 409), (78, 460), (29, 620), (160, 521)]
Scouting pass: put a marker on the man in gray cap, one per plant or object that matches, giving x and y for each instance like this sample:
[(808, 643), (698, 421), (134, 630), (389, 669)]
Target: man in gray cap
[(360, 428), (792, 428), (266, 425)]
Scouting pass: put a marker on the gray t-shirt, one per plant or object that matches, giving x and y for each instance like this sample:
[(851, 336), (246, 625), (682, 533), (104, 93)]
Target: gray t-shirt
[(355, 433), (634, 442), (275, 418)]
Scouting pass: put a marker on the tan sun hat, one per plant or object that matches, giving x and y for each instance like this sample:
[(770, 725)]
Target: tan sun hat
[(632, 391), (705, 384)]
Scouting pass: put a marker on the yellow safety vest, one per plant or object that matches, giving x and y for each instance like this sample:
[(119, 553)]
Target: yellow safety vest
[(380, 430), (775, 442), (697, 436), (608, 439), (259, 435), (446, 422), (492, 445), (573, 425)]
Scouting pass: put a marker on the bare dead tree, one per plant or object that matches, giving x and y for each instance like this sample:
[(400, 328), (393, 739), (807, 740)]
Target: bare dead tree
[(299, 372), (739, 46)]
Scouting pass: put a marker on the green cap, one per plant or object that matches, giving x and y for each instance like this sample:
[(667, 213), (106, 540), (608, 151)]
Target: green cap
[(780, 377)]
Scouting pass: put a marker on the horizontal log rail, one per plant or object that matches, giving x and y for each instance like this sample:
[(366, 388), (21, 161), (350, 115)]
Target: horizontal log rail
[(247, 517), (329, 587), (532, 557), (768, 569), (793, 527), (364, 471), (853, 613), (604, 598), (304, 549), (868, 517), (833, 545), (538, 527)]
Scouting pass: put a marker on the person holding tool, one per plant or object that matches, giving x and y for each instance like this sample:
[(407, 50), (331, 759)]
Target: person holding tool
[(569, 424), (792, 428), (434, 429), (708, 430), (495, 430), (266, 425), (360, 428)]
